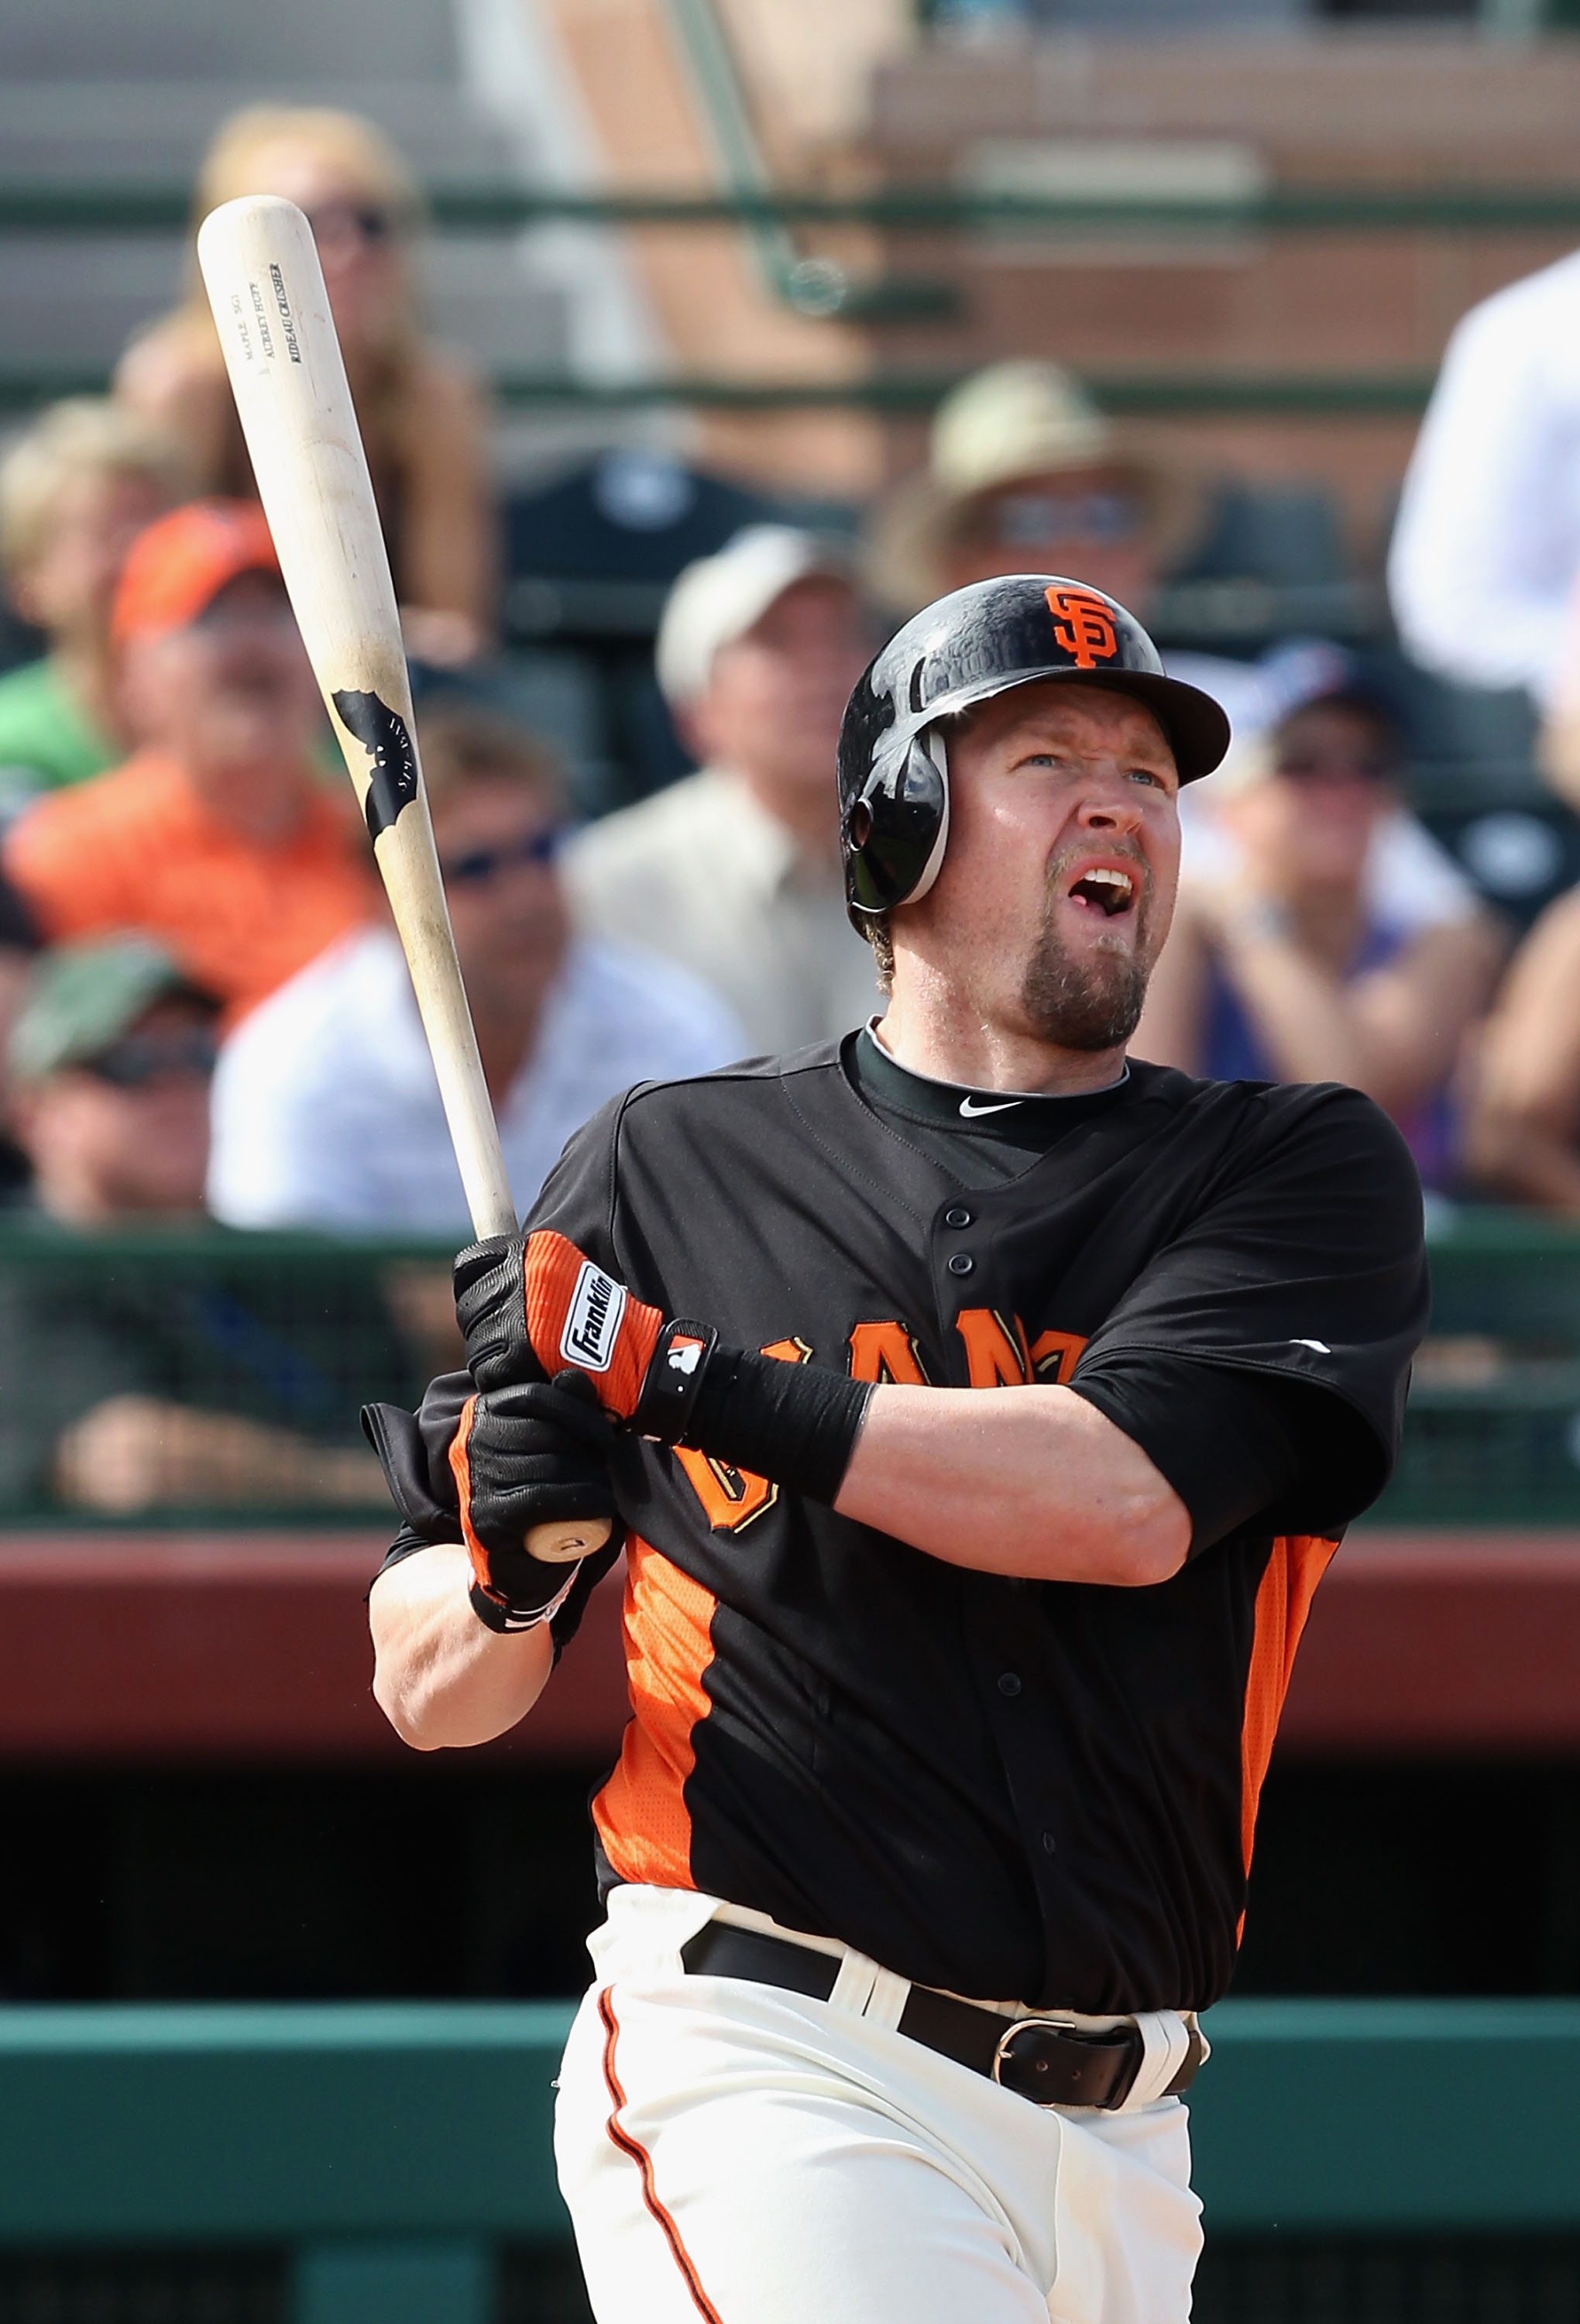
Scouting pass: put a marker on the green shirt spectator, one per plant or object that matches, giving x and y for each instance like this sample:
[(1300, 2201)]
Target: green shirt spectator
[(47, 735), (75, 492)]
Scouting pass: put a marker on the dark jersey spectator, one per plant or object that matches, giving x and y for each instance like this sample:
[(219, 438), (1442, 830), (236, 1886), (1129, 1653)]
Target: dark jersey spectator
[(130, 1386), (423, 419), (1285, 969), (75, 492), (221, 837)]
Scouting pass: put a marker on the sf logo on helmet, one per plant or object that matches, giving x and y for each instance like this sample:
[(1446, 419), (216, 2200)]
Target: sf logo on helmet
[(1083, 626)]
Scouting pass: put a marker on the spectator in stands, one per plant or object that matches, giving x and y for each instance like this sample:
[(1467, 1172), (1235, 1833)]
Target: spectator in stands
[(1523, 1140), (1286, 969), (734, 871), (1024, 475), (221, 836), (110, 1058), (1485, 569), (75, 492), (106, 1396), (325, 1109), (423, 419)]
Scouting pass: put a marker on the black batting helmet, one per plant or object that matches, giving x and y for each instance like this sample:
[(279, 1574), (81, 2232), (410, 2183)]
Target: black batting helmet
[(975, 643)]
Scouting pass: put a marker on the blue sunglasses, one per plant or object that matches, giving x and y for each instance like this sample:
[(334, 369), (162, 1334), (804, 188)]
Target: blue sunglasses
[(479, 865)]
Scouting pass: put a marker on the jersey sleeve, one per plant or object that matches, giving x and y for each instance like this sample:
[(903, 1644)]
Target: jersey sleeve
[(1240, 1448), (578, 1196), (1302, 1266)]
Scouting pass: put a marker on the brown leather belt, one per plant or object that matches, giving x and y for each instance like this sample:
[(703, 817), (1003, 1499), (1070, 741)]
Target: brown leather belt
[(1042, 2059)]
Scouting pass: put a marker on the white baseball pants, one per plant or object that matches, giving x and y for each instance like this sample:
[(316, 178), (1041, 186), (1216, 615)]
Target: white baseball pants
[(736, 2153)]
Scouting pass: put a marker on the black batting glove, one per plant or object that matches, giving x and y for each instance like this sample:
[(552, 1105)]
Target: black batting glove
[(495, 1466), (529, 1302)]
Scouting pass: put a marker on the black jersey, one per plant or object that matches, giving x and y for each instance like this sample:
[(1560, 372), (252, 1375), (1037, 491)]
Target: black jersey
[(1022, 1790)]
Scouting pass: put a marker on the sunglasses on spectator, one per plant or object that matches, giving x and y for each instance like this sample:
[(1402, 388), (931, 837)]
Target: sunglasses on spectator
[(479, 865), (369, 221), (1336, 766), (138, 1059), (1022, 519)]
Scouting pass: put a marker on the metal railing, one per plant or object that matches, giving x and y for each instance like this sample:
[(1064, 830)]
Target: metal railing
[(1300, 395), (279, 1339), (1458, 209), (818, 287)]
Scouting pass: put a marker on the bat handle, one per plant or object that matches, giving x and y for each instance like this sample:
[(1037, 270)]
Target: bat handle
[(568, 1538)]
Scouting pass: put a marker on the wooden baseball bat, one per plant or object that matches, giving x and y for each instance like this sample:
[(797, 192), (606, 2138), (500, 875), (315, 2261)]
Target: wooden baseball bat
[(266, 288)]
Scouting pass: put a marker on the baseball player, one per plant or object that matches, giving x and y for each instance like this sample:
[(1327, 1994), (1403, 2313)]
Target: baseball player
[(930, 1830)]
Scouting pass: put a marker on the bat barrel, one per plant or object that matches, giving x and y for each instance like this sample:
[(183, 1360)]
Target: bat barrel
[(266, 288)]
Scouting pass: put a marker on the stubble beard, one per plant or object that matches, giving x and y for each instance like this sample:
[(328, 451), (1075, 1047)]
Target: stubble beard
[(1090, 1003)]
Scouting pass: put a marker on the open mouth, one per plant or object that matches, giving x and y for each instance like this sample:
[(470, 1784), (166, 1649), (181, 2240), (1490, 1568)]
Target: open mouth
[(1106, 889)]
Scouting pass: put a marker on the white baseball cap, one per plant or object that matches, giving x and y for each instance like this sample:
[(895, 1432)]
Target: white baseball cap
[(719, 598)]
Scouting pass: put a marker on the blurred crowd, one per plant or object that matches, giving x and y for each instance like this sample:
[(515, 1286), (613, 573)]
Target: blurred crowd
[(205, 1011)]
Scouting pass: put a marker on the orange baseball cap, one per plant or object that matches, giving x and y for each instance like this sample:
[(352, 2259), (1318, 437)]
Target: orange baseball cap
[(178, 566)]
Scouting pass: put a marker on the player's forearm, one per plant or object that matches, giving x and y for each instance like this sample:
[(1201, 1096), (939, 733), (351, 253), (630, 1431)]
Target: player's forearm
[(1033, 1481), (441, 1678)]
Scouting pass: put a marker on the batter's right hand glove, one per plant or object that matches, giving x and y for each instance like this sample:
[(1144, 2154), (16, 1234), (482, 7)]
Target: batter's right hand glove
[(494, 1465), (530, 1303)]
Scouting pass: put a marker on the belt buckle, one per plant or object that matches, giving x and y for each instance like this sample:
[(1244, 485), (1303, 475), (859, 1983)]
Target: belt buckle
[(1060, 2022)]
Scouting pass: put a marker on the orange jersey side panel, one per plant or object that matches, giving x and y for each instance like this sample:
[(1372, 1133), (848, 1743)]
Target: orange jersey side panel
[(640, 1814), (1283, 1599)]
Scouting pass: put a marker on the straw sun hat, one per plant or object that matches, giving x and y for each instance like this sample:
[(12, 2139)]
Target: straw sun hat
[(1010, 421)]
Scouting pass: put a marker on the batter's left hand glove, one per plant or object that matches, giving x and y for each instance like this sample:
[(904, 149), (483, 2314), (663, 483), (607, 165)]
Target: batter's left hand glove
[(529, 1305), (492, 1467)]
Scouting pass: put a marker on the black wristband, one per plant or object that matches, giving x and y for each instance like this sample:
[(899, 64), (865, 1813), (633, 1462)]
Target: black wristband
[(795, 1424), (496, 1612)]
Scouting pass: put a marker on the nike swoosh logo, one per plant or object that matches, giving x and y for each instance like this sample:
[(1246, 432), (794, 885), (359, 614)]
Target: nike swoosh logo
[(970, 1110), (1319, 1347)]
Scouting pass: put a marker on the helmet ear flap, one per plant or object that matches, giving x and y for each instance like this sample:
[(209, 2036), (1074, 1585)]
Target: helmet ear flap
[(897, 829), (929, 747)]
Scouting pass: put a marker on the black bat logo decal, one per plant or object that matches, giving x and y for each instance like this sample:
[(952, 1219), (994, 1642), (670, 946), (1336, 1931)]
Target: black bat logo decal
[(392, 784)]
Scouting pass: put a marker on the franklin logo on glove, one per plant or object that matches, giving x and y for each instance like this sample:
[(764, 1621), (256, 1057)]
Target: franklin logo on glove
[(591, 1332)]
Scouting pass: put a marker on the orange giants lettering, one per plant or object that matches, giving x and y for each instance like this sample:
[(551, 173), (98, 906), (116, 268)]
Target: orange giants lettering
[(1055, 1354), (887, 1351), (995, 1356)]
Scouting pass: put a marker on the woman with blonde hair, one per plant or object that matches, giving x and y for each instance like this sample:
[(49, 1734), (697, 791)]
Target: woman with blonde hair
[(423, 419)]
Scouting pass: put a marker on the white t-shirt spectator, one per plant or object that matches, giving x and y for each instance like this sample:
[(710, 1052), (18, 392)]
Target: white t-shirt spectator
[(326, 1113), (1487, 552)]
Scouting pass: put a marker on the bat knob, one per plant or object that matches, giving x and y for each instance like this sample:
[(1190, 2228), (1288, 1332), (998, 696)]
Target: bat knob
[(562, 1543)]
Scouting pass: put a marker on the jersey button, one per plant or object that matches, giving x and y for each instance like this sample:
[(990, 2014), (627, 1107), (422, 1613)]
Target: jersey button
[(1009, 1682), (957, 1215), (961, 1263)]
